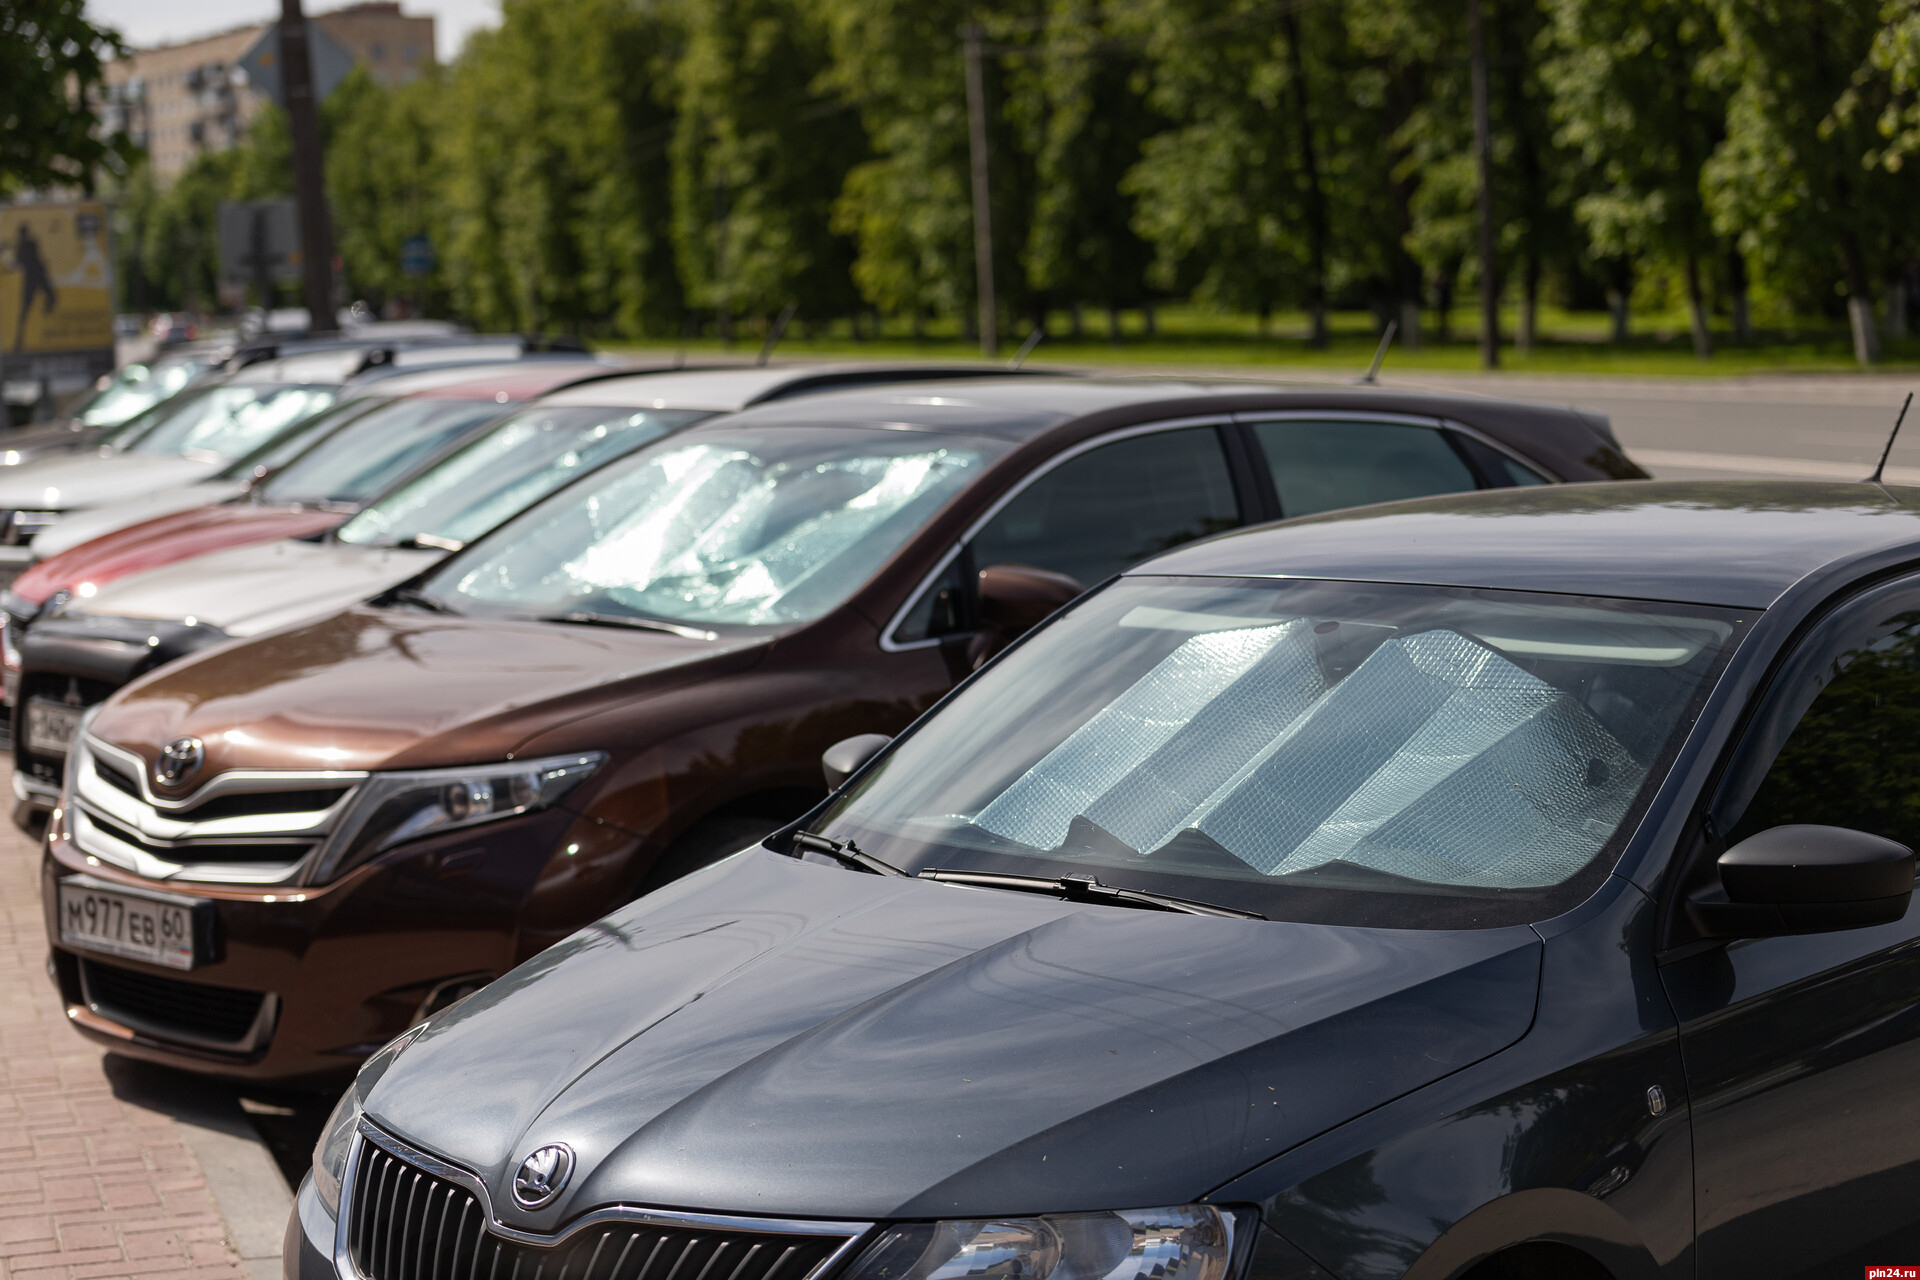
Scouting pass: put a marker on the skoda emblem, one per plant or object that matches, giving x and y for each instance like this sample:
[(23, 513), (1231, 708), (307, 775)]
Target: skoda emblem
[(543, 1175), (178, 761)]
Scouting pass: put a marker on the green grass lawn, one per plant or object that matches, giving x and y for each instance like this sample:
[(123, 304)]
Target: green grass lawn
[(1570, 342)]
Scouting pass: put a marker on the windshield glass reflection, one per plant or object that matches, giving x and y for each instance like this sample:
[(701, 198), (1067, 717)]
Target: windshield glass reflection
[(1378, 742)]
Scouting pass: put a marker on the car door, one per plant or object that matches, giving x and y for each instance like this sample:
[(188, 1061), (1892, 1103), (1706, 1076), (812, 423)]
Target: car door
[(1802, 1053), (1318, 461), (1088, 513)]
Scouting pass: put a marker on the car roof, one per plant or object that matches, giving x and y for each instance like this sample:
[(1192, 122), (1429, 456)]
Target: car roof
[(516, 380), (1736, 543), (725, 390), (1572, 444), (333, 367)]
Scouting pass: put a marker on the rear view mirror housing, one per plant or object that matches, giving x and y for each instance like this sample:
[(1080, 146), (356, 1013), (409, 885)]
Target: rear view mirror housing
[(1805, 879), (1015, 598), (843, 759)]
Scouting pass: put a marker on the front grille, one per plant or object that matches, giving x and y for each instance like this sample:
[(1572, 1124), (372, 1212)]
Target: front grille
[(205, 852), (257, 829), (168, 1005), (408, 1224)]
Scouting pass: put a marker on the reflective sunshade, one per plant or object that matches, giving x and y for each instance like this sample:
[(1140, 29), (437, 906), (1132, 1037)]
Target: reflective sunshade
[(754, 527), (1304, 749), (226, 421), (513, 465)]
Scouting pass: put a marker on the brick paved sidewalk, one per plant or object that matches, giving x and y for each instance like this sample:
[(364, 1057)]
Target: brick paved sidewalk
[(93, 1184)]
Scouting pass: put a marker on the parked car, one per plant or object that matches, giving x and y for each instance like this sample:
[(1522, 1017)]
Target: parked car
[(366, 445), (170, 587), (639, 673), (1508, 885), (194, 435), (395, 374)]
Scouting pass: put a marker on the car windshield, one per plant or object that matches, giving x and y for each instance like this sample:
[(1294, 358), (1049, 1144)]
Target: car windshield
[(297, 439), (513, 465), (370, 452), (228, 420), (135, 389), (751, 526), (1337, 752)]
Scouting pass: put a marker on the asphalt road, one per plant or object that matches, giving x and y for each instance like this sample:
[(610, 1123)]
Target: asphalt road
[(1818, 427)]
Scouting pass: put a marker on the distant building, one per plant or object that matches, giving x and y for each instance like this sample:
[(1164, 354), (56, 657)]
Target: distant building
[(182, 99)]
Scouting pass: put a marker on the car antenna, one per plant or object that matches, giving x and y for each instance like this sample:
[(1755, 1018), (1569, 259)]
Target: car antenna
[(774, 334), (1026, 348), (1372, 374), (1886, 452)]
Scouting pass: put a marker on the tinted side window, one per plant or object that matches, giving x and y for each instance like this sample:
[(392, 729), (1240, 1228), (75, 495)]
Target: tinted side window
[(1323, 466), (1501, 471), (1111, 507), (1853, 758)]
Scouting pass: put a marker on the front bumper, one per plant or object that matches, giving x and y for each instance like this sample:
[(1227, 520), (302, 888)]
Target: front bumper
[(305, 981)]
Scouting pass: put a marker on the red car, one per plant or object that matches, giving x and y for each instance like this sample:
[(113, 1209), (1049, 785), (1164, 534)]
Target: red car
[(371, 442)]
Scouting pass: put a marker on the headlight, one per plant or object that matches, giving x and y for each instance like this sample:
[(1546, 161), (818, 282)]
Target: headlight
[(1186, 1242), (336, 1140), (392, 808)]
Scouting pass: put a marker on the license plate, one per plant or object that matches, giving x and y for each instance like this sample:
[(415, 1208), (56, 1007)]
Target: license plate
[(158, 928), (51, 726)]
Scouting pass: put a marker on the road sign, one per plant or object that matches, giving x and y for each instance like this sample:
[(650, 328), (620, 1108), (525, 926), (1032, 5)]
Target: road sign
[(261, 62), (259, 243), (56, 292), (416, 256)]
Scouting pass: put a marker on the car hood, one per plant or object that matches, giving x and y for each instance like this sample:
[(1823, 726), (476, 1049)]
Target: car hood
[(371, 688), (84, 526), (784, 1038), (250, 589), (162, 541), (94, 480), (25, 444)]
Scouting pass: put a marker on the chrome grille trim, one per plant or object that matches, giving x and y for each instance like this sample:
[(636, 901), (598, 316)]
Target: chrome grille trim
[(172, 845), (228, 783), (386, 1179)]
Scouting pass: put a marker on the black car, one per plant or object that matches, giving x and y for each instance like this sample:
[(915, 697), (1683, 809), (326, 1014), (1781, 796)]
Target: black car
[(1509, 884)]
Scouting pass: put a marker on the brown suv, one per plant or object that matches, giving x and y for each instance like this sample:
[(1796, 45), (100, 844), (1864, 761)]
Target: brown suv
[(272, 856)]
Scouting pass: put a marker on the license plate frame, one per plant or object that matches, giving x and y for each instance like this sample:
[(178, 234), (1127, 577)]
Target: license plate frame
[(163, 929), (50, 742)]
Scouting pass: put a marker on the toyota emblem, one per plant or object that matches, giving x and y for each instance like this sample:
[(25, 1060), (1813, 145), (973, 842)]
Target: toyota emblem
[(543, 1175), (179, 760)]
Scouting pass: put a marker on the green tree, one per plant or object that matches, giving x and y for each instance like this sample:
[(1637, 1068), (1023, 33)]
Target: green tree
[(52, 61), (1796, 178), (1628, 102), (761, 151), (1075, 104), (909, 207), (555, 190), (383, 184)]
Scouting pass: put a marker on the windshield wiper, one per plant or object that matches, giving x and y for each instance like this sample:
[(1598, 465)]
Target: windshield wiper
[(846, 852), (587, 619), (1085, 889), (420, 600)]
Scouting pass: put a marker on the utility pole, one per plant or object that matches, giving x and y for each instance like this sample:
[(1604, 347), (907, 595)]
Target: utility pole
[(982, 203), (309, 174), (1483, 164)]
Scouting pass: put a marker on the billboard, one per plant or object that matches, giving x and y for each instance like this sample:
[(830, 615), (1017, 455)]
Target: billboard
[(56, 291)]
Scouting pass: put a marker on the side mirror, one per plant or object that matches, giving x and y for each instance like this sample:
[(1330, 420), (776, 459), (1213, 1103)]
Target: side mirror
[(1805, 879), (844, 758), (1015, 598)]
